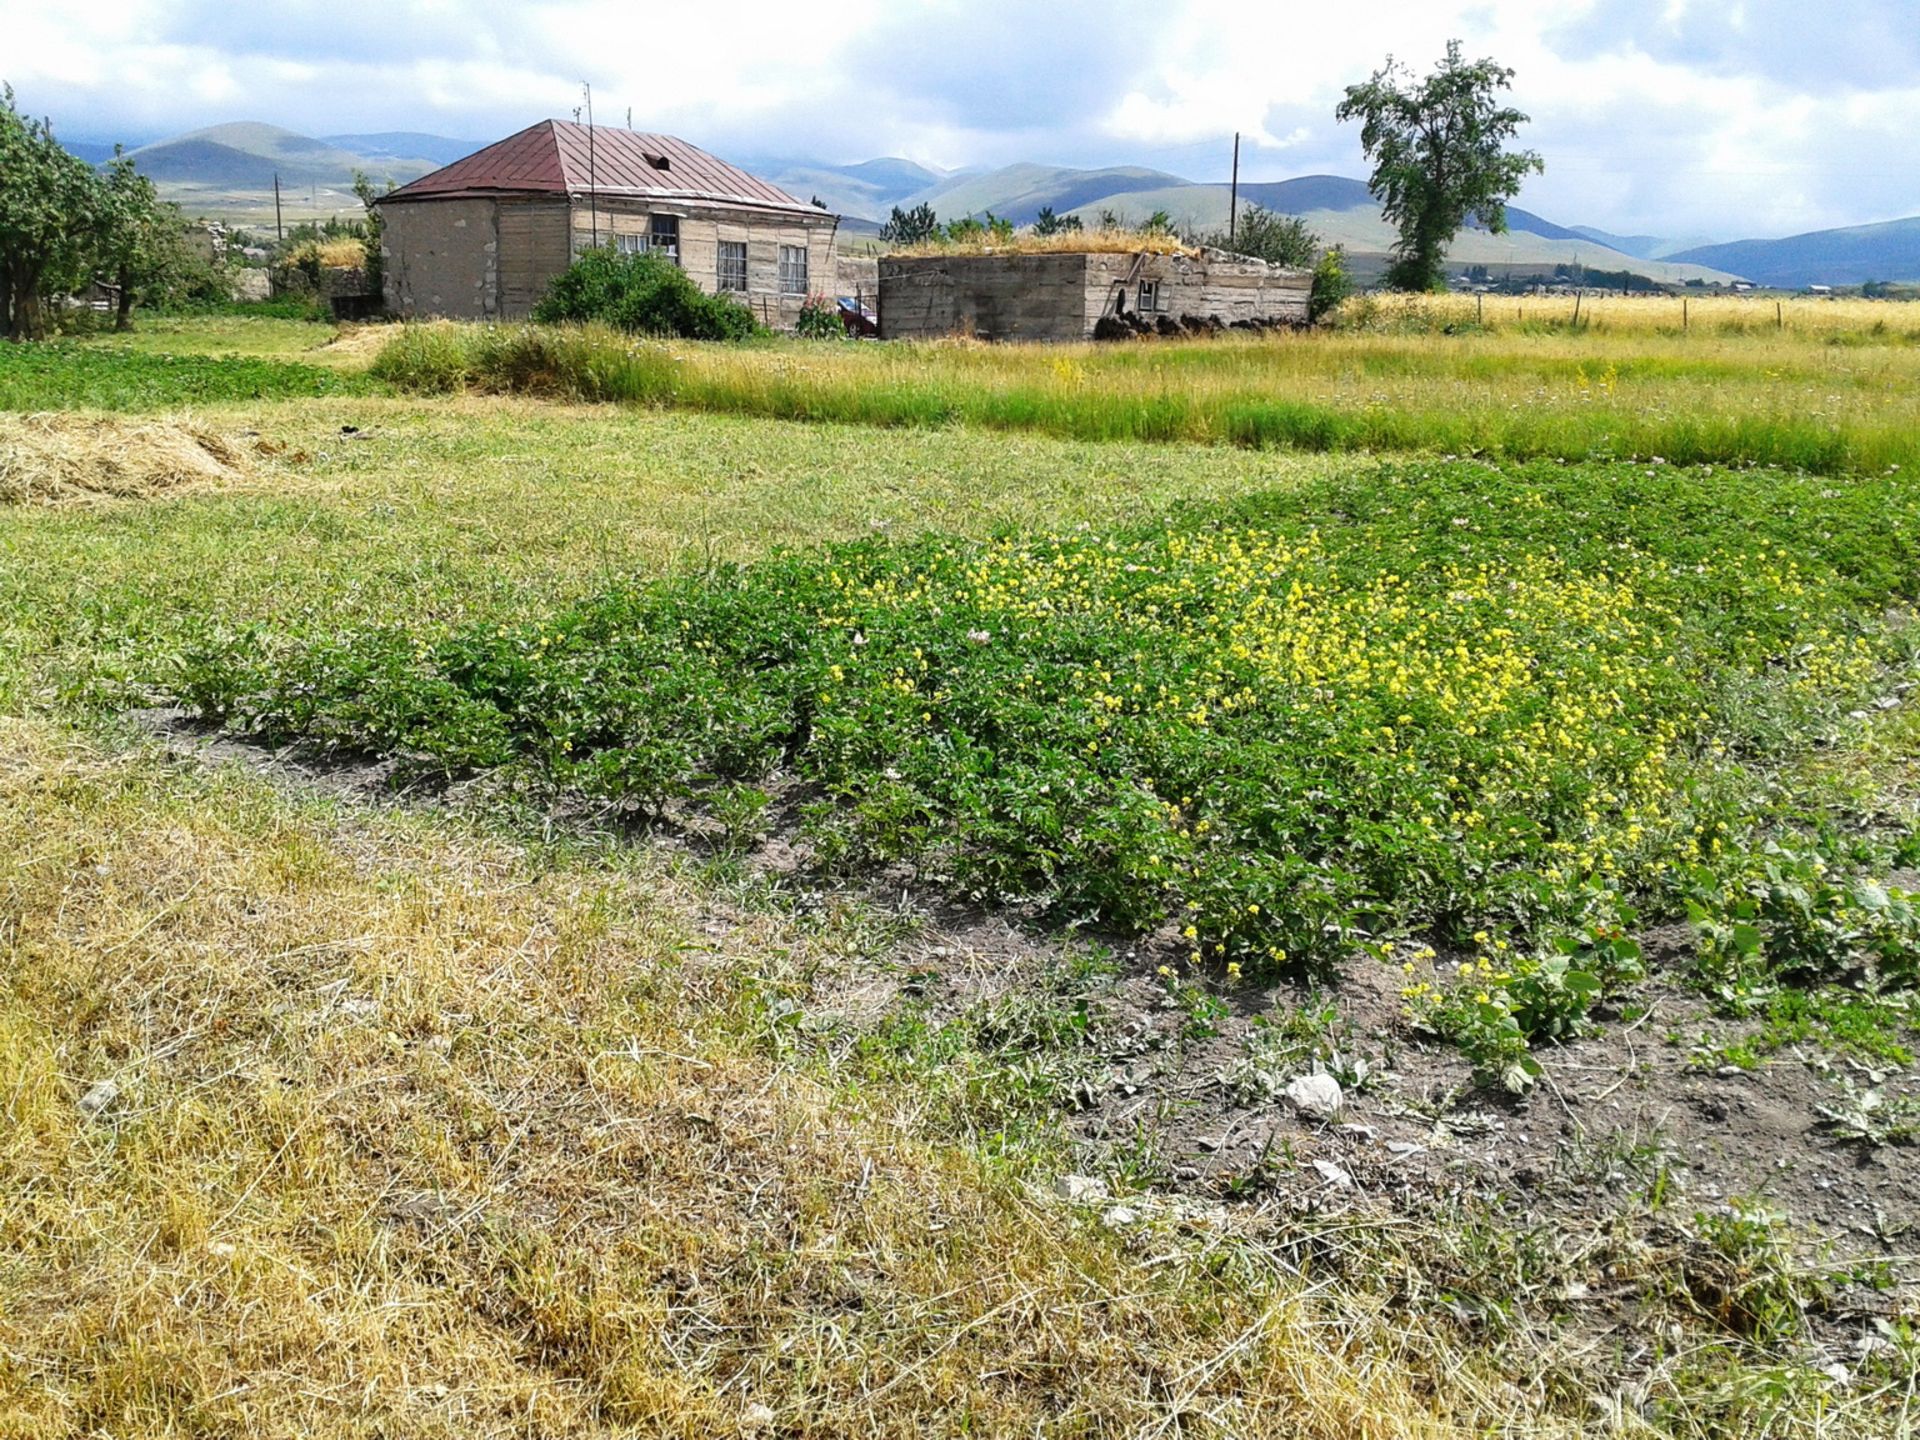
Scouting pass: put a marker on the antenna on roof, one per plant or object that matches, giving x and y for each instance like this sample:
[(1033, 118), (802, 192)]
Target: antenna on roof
[(593, 195)]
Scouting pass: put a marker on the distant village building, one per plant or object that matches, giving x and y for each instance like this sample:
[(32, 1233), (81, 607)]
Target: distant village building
[(1080, 295), (481, 238)]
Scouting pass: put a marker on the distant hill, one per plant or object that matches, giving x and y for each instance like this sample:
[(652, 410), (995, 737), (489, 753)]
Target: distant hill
[(1340, 209), (1849, 256), (94, 152), (247, 155), (406, 146), (1647, 247), (1644, 247), (1018, 192), (866, 191)]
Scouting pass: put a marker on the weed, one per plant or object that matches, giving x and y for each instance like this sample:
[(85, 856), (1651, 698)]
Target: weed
[(1872, 1116)]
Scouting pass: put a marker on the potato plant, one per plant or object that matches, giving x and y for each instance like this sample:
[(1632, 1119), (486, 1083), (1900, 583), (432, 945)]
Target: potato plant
[(1439, 705)]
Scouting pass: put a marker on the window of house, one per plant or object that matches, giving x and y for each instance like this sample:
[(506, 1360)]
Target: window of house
[(629, 244), (1149, 296), (732, 266), (663, 236), (793, 269)]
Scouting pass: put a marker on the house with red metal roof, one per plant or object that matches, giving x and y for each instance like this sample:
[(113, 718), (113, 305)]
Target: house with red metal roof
[(480, 239)]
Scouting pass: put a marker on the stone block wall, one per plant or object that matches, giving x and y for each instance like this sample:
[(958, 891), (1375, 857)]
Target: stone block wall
[(442, 257), (1061, 296)]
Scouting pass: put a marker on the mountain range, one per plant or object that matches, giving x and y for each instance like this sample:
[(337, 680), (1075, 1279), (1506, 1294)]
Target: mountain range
[(229, 170), (1343, 212)]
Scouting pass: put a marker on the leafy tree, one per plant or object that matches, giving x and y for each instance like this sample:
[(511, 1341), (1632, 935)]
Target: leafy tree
[(964, 231), (1109, 220), (911, 227), (644, 293), (140, 244), (1437, 146), (1277, 239), (50, 206), (1048, 223), (376, 224), (1158, 223)]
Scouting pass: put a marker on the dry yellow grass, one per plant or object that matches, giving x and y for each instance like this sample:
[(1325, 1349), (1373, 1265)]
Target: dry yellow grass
[(410, 1133), (1707, 314), (1067, 242), (335, 254), (65, 458)]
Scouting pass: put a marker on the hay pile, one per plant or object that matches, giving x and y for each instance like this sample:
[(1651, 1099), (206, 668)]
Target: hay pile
[(62, 459)]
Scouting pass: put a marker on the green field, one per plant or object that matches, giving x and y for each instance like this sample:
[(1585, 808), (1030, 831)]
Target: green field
[(565, 1008)]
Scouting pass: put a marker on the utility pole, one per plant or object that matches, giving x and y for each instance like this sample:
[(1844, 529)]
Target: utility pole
[(279, 231), (1233, 195), (593, 193)]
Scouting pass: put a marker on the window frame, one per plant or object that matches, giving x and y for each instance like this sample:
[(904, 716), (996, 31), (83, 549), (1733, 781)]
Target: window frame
[(625, 242), (788, 270), (720, 267), (1148, 298), (669, 247)]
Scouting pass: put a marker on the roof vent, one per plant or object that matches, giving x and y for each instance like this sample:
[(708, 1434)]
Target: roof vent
[(658, 162)]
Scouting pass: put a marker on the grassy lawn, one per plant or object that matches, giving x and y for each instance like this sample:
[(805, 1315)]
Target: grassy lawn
[(645, 1071)]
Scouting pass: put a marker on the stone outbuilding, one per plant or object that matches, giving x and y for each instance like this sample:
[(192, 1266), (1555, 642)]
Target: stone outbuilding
[(481, 238), (1081, 295)]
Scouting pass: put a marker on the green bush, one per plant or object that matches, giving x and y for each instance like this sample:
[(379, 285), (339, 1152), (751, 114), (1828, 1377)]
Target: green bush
[(1276, 239), (820, 320), (1331, 285), (645, 294)]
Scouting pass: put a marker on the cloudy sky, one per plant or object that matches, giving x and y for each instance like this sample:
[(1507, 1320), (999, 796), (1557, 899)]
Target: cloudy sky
[(1717, 118)]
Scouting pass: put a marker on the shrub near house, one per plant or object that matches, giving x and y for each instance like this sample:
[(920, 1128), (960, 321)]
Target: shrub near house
[(643, 294)]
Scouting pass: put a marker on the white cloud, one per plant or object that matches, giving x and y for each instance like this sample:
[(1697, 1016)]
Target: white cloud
[(1666, 116)]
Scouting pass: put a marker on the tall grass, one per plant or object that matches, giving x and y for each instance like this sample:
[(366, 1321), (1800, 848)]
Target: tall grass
[(1851, 320), (1817, 408)]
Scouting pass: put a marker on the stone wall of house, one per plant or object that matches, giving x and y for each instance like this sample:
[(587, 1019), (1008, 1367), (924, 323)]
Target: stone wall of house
[(487, 259), (442, 257), (1061, 296)]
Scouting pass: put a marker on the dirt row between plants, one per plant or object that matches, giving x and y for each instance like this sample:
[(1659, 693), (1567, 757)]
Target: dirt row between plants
[(1637, 1156)]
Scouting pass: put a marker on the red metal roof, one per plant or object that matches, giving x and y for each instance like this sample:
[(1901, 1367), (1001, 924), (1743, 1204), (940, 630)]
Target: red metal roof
[(555, 157)]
